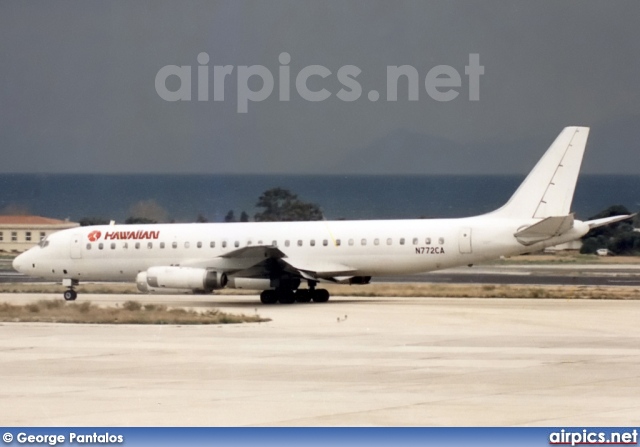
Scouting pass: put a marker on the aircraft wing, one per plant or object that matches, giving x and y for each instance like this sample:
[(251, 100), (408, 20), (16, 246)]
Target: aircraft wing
[(262, 260), (237, 260), (310, 269), (256, 251)]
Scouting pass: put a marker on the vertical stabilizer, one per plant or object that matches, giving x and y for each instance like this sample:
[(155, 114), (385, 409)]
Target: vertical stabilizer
[(548, 189)]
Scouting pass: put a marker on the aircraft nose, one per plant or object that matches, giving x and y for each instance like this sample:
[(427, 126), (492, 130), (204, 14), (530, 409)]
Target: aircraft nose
[(18, 262)]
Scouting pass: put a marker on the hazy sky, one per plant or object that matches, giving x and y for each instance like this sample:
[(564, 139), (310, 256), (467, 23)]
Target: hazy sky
[(77, 85)]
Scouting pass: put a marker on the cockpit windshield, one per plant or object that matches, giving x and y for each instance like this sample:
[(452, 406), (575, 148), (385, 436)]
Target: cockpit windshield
[(43, 242)]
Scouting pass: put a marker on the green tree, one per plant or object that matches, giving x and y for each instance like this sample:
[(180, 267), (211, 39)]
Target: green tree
[(87, 221), (280, 204), (201, 219), (139, 220), (230, 217), (618, 237), (244, 217), (148, 211)]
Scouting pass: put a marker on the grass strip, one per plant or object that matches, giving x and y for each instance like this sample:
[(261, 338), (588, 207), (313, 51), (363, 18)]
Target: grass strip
[(131, 312)]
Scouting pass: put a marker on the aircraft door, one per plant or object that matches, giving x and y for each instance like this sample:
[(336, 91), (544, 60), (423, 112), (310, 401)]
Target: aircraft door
[(76, 246), (464, 240)]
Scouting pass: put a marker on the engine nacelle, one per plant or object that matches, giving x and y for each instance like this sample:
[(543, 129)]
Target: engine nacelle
[(250, 283), (185, 278), (144, 287)]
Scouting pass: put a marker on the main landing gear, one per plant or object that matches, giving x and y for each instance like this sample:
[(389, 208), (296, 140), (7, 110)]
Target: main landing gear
[(70, 294), (287, 296)]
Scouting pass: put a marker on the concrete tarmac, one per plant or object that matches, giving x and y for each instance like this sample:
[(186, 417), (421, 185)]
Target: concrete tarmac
[(352, 361)]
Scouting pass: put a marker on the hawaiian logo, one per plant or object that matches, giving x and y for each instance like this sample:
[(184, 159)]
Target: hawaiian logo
[(94, 235), (124, 235)]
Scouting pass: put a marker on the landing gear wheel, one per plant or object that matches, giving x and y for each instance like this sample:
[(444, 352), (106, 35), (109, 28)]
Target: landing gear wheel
[(268, 297), (321, 296), (286, 296), (70, 295), (303, 295)]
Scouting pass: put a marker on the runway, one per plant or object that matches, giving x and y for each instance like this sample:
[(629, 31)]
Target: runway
[(520, 274), (352, 361)]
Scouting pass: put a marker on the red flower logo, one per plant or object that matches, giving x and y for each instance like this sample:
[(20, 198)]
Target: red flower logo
[(94, 235)]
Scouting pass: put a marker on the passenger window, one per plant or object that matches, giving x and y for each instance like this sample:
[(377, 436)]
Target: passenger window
[(199, 244), (161, 244), (401, 241), (249, 243), (137, 245), (415, 241), (259, 242), (325, 242), (88, 246), (236, 244), (338, 242), (174, 244), (224, 244), (441, 241), (350, 241), (212, 244), (286, 243), (125, 245), (389, 241), (376, 241), (149, 245), (427, 241), (274, 243), (113, 245), (100, 246), (363, 242), (312, 242), (299, 242), (187, 244)]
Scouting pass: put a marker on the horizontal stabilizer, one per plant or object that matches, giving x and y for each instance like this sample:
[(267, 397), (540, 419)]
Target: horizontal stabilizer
[(545, 229), (608, 220)]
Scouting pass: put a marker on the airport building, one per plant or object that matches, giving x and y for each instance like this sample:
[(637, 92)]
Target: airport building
[(19, 233)]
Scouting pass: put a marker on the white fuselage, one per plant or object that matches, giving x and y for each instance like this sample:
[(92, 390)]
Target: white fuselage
[(370, 248), (279, 256)]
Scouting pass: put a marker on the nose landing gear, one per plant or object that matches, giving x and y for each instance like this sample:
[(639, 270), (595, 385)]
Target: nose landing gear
[(70, 294)]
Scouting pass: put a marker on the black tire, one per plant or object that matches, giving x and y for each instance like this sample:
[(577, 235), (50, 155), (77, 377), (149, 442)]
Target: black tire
[(321, 296), (303, 295), (70, 295), (268, 297), (286, 296)]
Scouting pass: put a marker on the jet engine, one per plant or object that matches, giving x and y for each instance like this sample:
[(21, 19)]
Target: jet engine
[(196, 279), (250, 283)]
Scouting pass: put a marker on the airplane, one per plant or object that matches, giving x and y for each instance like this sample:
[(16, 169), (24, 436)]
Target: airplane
[(279, 257)]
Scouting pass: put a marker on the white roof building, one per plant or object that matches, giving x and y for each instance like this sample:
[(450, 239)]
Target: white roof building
[(19, 233)]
